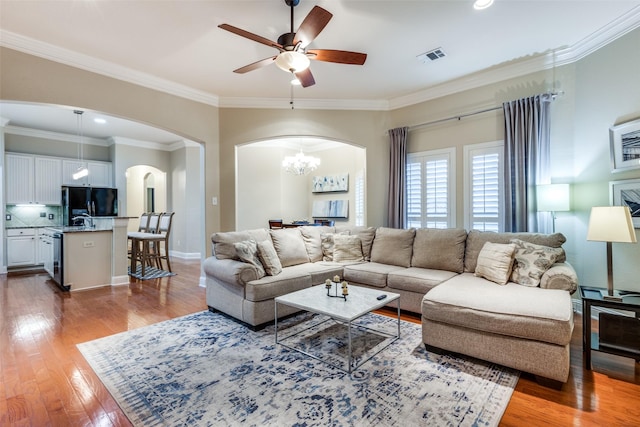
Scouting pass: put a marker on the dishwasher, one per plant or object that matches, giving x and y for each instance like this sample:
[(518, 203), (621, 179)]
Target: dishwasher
[(54, 263)]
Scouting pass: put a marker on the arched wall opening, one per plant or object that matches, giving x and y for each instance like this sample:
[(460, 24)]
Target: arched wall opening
[(140, 180), (264, 190)]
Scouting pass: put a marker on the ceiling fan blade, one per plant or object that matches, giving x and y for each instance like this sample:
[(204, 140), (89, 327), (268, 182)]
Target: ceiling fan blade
[(250, 36), (339, 56), (255, 65), (305, 78), (312, 25)]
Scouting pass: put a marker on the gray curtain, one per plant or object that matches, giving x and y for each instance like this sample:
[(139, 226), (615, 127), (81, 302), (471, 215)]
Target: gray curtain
[(397, 177), (526, 159)]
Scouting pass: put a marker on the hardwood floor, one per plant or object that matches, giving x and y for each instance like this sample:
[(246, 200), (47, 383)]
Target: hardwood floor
[(46, 381)]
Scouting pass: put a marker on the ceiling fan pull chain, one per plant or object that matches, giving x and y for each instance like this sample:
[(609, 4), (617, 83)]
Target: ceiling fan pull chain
[(291, 99)]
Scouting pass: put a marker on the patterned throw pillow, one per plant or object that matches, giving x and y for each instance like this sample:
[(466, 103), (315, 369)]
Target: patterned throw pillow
[(269, 257), (247, 251), (347, 248), (532, 261), (495, 262)]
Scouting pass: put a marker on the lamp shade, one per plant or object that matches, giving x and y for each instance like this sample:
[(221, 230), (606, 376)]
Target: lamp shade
[(611, 224), (292, 61), (553, 197)]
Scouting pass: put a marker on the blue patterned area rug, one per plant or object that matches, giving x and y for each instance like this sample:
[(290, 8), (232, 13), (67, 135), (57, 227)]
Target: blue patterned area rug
[(207, 370), (149, 273)]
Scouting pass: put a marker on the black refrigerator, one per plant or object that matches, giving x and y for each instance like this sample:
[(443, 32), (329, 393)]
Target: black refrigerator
[(94, 201)]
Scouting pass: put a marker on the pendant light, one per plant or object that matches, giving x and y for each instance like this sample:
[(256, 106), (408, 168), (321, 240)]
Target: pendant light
[(82, 170)]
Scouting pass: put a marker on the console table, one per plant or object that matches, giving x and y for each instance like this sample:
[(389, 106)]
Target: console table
[(591, 297)]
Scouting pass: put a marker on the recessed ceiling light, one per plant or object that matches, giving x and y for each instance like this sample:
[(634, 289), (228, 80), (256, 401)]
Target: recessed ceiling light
[(99, 120), (482, 4)]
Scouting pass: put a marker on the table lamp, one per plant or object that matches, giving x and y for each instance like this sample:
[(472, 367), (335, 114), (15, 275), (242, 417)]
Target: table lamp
[(611, 224), (553, 198)]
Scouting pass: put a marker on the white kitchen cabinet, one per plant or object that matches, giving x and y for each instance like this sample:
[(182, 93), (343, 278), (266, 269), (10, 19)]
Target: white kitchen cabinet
[(32, 179), (21, 247), (43, 249), (48, 180), (99, 173), (19, 178)]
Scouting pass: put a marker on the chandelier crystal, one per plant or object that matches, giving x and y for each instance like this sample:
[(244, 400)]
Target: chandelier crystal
[(300, 164)]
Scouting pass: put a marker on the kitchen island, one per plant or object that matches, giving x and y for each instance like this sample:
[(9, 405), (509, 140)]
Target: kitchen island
[(89, 256)]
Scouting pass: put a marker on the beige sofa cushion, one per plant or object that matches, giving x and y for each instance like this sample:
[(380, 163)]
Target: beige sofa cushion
[(366, 235), (347, 248), (472, 302), (495, 262), (369, 273), (270, 287), (477, 239), (289, 246), (439, 249), (419, 280), (393, 246), (223, 241), (312, 236)]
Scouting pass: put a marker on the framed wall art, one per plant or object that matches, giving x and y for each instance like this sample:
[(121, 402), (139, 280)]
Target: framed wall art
[(627, 193), (330, 209), (330, 183), (625, 146)]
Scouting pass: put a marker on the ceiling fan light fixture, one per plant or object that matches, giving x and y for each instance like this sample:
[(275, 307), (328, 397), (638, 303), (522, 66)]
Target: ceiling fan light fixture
[(292, 61), (482, 4), (295, 82)]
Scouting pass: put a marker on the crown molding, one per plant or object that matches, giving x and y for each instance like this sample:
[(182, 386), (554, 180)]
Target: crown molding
[(527, 65), (177, 145), (305, 104), (68, 57), (57, 136)]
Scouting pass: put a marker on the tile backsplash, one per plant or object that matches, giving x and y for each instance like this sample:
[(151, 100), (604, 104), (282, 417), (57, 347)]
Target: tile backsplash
[(33, 216)]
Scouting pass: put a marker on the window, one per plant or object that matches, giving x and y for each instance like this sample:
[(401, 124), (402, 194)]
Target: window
[(359, 196), (483, 186), (430, 189)]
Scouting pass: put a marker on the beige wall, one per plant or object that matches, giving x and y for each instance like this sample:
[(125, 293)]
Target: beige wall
[(56, 148), (363, 128), (31, 79)]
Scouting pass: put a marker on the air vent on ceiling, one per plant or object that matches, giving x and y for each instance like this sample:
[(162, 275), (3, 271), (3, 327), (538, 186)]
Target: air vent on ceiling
[(432, 55)]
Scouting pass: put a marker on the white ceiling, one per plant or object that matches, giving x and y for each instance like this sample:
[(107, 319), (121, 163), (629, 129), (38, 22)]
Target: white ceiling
[(176, 46)]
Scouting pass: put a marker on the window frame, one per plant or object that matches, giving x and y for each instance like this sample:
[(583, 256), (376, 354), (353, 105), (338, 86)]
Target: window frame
[(469, 151), (448, 154)]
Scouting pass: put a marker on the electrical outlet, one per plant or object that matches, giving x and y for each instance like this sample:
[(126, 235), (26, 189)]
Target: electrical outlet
[(87, 244), (7, 217), (51, 216)]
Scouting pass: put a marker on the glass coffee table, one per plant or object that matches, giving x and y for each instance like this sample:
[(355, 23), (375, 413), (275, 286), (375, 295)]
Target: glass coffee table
[(359, 302)]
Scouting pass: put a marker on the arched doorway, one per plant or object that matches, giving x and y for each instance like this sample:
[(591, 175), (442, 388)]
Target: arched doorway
[(146, 191), (265, 191)]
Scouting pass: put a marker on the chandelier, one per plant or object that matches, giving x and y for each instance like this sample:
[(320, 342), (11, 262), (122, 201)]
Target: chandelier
[(300, 164)]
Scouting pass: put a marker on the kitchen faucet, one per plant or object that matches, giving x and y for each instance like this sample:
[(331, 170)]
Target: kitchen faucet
[(85, 217)]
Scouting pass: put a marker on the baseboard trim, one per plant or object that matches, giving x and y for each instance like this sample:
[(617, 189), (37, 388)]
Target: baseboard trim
[(185, 255)]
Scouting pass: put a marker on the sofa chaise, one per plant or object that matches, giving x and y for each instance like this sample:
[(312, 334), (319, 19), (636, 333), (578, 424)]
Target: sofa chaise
[(461, 283)]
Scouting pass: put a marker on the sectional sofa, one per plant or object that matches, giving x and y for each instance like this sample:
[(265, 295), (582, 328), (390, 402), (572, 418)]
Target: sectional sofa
[(501, 297)]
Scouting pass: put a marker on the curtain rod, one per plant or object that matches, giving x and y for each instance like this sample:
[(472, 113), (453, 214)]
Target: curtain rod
[(551, 95)]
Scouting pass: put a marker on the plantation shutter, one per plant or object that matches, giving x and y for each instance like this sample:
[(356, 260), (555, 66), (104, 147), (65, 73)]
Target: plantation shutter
[(484, 181)]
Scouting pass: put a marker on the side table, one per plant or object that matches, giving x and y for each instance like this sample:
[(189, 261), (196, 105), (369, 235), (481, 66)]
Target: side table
[(591, 297)]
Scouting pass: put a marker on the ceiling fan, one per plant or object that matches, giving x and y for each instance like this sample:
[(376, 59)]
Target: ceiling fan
[(294, 57)]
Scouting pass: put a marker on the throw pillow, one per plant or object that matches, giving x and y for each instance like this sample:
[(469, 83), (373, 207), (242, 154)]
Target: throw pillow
[(289, 246), (269, 258), (393, 246), (247, 251), (531, 261), (328, 243), (347, 248), (495, 262)]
